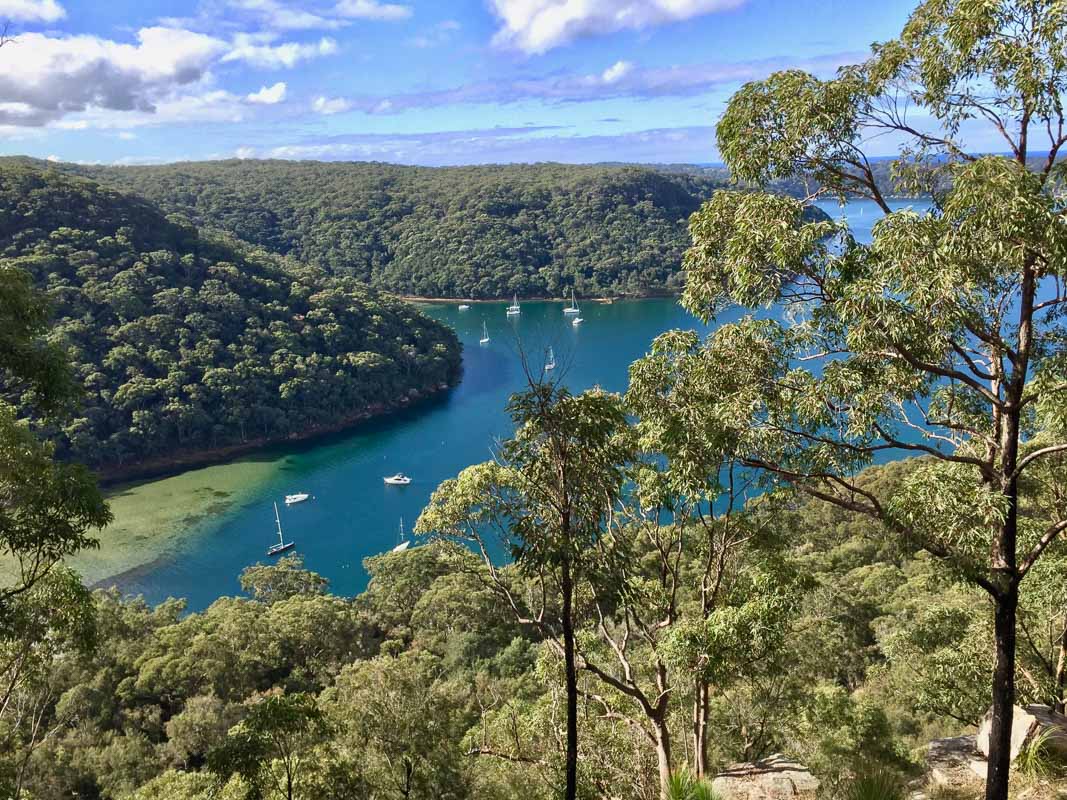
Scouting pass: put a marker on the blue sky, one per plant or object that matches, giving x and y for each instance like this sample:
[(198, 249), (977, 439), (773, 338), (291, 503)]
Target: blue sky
[(406, 81)]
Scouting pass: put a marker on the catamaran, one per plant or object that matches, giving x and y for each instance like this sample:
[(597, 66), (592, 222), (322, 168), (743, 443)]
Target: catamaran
[(551, 362), (573, 308), (282, 545), (485, 335), (400, 479), (514, 308), (299, 497), (402, 543)]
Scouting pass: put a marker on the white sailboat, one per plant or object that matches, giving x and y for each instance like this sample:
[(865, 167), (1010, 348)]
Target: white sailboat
[(402, 543), (573, 308), (551, 362), (514, 308), (282, 545), (485, 334)]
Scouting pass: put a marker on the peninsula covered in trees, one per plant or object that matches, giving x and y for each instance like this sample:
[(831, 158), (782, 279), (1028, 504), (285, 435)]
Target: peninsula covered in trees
[(183, 341)]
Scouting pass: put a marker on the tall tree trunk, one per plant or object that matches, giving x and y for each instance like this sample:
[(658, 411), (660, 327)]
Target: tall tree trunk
[(567, 586), (663, 757), (700, 729), (1061, 675), (999, 770)]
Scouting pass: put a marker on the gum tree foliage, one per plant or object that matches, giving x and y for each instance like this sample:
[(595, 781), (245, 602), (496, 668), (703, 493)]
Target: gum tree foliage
[(945, 335), (544, 503), (272, 748)]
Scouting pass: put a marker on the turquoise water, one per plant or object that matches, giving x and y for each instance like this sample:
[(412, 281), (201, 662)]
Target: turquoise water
[(354, 514)]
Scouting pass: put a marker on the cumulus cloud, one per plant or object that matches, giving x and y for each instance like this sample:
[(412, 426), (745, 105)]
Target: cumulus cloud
[(281, 15), (55, 76), (31, 10), (268, 95), (536, 26), (330, 105), (617, 71), (371, 9), (258, 49), (620, 80)]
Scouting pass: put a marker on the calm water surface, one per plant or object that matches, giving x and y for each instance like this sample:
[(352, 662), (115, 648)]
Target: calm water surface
[(354, 514)]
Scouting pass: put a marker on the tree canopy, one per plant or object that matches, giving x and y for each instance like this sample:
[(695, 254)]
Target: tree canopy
[(183, 342)]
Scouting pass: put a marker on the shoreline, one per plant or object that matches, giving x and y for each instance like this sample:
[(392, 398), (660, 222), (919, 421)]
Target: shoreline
[(180, 462), (411, 298)]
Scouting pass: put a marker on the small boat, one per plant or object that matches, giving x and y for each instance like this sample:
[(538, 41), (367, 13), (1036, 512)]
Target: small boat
[(299, 497), (282, 545), (551, 362), (573, 308), (400, 479), (485, 335), (402, 543), (463, 306), (577, 321), (514, 308)]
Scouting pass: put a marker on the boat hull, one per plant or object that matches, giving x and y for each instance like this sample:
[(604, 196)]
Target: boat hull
[(280, 548)]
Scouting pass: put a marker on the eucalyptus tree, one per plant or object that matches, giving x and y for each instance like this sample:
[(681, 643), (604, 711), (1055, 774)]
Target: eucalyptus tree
[(544, 502), (942, 337)]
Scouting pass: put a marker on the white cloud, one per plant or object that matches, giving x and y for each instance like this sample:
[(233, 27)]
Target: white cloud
[(245, 152), (371, 9), (331, 105), (258, 50), (31, 10), (268, 95), (56, 76), (280, 16), (53, 159), (617, 71), (126, 136), (536, 26)]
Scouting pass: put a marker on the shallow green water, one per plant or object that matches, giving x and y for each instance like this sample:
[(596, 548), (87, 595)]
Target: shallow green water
[(190, 536)]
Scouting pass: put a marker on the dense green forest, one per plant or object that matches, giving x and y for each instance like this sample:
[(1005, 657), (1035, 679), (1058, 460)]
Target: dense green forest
[(422, 687), (185, 341), (478, 232)]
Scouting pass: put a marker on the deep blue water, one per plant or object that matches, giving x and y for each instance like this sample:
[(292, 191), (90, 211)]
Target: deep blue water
[(354, 514)]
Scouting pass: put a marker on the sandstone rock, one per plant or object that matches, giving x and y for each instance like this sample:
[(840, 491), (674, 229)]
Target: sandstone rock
[(1027, 725), (955, 762), (773, 778)]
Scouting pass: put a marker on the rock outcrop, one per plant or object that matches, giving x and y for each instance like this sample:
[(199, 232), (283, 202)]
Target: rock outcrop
[(773, 778), (1028, 724), (955, 762)]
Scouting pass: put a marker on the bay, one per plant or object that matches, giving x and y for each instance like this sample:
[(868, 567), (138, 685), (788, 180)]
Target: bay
[(191, 535)]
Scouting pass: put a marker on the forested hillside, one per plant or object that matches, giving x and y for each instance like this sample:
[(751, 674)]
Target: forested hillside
[(424, 687), (480, 232), (185, 342)]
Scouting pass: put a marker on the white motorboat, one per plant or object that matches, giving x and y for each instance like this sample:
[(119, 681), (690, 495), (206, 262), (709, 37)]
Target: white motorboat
[(573, 308), (485, 334), (282, 545), (400, 479), (299, 497), (514, 308), (577, 321), (463, 306), (550, 363)]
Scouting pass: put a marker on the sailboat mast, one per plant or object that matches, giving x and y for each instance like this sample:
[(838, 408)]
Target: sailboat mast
[(278, 519)]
